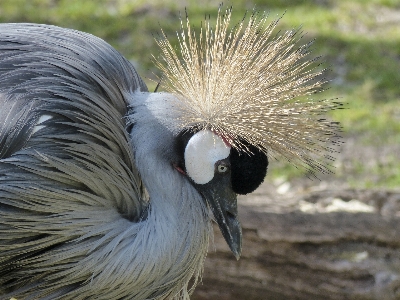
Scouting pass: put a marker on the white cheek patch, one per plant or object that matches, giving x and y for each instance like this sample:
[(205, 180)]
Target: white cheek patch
[(203, 150)]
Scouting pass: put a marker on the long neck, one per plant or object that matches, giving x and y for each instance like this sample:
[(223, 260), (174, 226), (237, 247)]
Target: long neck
[(174, 237)]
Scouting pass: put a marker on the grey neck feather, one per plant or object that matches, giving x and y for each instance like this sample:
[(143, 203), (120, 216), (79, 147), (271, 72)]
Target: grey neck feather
[(178, 221)]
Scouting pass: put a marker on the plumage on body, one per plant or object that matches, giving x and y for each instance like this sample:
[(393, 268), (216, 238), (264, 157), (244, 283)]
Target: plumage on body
[(107, 191), (75, 219)]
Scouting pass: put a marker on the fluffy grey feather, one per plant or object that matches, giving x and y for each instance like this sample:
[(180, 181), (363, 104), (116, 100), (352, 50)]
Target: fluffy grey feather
[(75, 219)]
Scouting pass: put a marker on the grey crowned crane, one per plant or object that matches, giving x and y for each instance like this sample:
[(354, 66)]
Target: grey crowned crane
[(108, 191)]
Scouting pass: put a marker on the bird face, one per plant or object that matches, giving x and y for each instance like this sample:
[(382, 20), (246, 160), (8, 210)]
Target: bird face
[(219, 172)]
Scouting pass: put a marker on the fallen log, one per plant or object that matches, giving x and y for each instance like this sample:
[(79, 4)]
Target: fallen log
[(324, 244)]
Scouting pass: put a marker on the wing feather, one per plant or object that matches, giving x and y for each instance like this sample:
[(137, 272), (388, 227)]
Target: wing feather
[(78, 164)]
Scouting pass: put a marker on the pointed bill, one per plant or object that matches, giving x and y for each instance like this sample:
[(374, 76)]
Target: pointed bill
[(223, 202)]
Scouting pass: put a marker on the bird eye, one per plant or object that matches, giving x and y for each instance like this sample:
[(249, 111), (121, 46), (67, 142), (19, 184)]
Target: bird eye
[(222, 168)]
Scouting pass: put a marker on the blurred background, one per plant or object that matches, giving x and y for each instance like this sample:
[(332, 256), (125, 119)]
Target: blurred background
[(332, 238)]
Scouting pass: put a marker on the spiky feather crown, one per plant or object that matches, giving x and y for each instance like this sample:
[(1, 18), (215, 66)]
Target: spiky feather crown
[(246, 84)]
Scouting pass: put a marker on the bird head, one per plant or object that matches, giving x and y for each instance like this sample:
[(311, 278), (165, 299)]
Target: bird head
[(236, 97), (219, 172)]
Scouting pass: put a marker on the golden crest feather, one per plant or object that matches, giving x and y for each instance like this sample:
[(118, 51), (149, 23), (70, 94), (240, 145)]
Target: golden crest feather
[(249, 86)]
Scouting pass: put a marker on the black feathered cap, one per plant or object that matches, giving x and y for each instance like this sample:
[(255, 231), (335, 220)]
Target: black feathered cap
[(248, 170)]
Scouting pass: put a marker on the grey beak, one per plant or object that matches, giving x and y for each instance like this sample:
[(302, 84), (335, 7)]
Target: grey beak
[(223, 203)]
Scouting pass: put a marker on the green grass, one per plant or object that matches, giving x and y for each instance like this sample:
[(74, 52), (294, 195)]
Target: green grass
[(359, 40)]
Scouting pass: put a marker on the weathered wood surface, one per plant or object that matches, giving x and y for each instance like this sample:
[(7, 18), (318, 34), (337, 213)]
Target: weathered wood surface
[(318, 244)]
